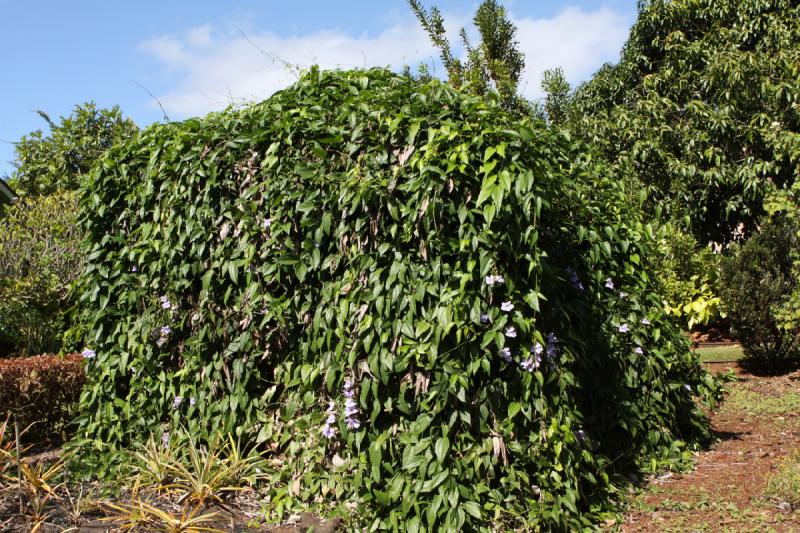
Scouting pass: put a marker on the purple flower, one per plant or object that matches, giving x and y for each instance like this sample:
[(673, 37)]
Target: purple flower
[(624, 328), (639, 350), (165, 330), (580, 435), (537, 349), (506, 306), (165, 439), (505, 354), (609, 283), (645, 322), (350, 405), (177, 402), (511, 332), (165, 303), (191, 401), (494, 280), (551, 345), (134, 269), (267, 223), (532, 363), (327, 429), (350, 408), (484, 318), (88, 354), (574, 279)]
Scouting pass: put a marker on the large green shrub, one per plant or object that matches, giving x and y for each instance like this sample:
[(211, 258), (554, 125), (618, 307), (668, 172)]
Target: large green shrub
[(417, 303), (39, 257), (757, 283)]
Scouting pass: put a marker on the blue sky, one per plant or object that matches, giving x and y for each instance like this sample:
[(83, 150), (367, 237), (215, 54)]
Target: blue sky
[(200, 56)]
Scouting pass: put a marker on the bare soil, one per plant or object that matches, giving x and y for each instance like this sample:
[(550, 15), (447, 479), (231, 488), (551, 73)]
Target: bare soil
[(757, 427)]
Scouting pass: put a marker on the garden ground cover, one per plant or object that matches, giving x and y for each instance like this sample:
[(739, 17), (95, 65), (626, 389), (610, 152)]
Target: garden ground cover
[(744, 482)]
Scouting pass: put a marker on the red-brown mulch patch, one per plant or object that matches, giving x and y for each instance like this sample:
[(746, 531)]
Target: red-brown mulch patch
[(725, 491)]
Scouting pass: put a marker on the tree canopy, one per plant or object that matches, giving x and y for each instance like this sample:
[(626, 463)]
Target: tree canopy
[(57, 160), (703, 108), (494, 64)]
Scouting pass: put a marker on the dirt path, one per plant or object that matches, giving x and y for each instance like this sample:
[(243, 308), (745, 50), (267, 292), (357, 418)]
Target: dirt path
[(759, 429)]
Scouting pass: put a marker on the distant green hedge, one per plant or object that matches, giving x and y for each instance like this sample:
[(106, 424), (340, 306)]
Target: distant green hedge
[(414, 302), (40, 257)]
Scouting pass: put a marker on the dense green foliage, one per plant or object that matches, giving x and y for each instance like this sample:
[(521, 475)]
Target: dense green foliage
[(321, 273), (39, 257), (785, 204), (57, 161), (703, 107), (757, 283)]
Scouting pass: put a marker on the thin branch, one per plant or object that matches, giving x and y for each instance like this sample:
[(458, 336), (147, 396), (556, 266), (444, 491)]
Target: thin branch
[(142, 87), (46, 117)]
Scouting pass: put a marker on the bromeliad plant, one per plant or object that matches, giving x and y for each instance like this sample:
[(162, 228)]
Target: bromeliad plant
[(415, 303)]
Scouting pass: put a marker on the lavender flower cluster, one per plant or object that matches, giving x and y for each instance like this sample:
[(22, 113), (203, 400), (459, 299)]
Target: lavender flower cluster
[(350, 406), (163, 336), (351, 411), (534, 360)]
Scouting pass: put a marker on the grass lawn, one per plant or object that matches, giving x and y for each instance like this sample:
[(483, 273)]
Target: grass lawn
[(720, 354)]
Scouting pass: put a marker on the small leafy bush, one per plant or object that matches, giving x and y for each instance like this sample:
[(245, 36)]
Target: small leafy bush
[(39, 257), (689, 277), (757, 281), (417, 304), (41, 391)]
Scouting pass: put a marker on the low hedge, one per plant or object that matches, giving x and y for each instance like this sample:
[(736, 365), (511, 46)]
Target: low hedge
[(41, 391)]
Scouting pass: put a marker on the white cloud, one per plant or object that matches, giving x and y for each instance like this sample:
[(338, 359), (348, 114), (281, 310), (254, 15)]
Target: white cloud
[(576, 40), (214, 68), (200, 36)]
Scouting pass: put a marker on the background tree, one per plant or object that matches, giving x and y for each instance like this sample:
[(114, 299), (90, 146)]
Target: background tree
[(557, 95), (703, 107), (39, 257), (493, 64), (49, 162)]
